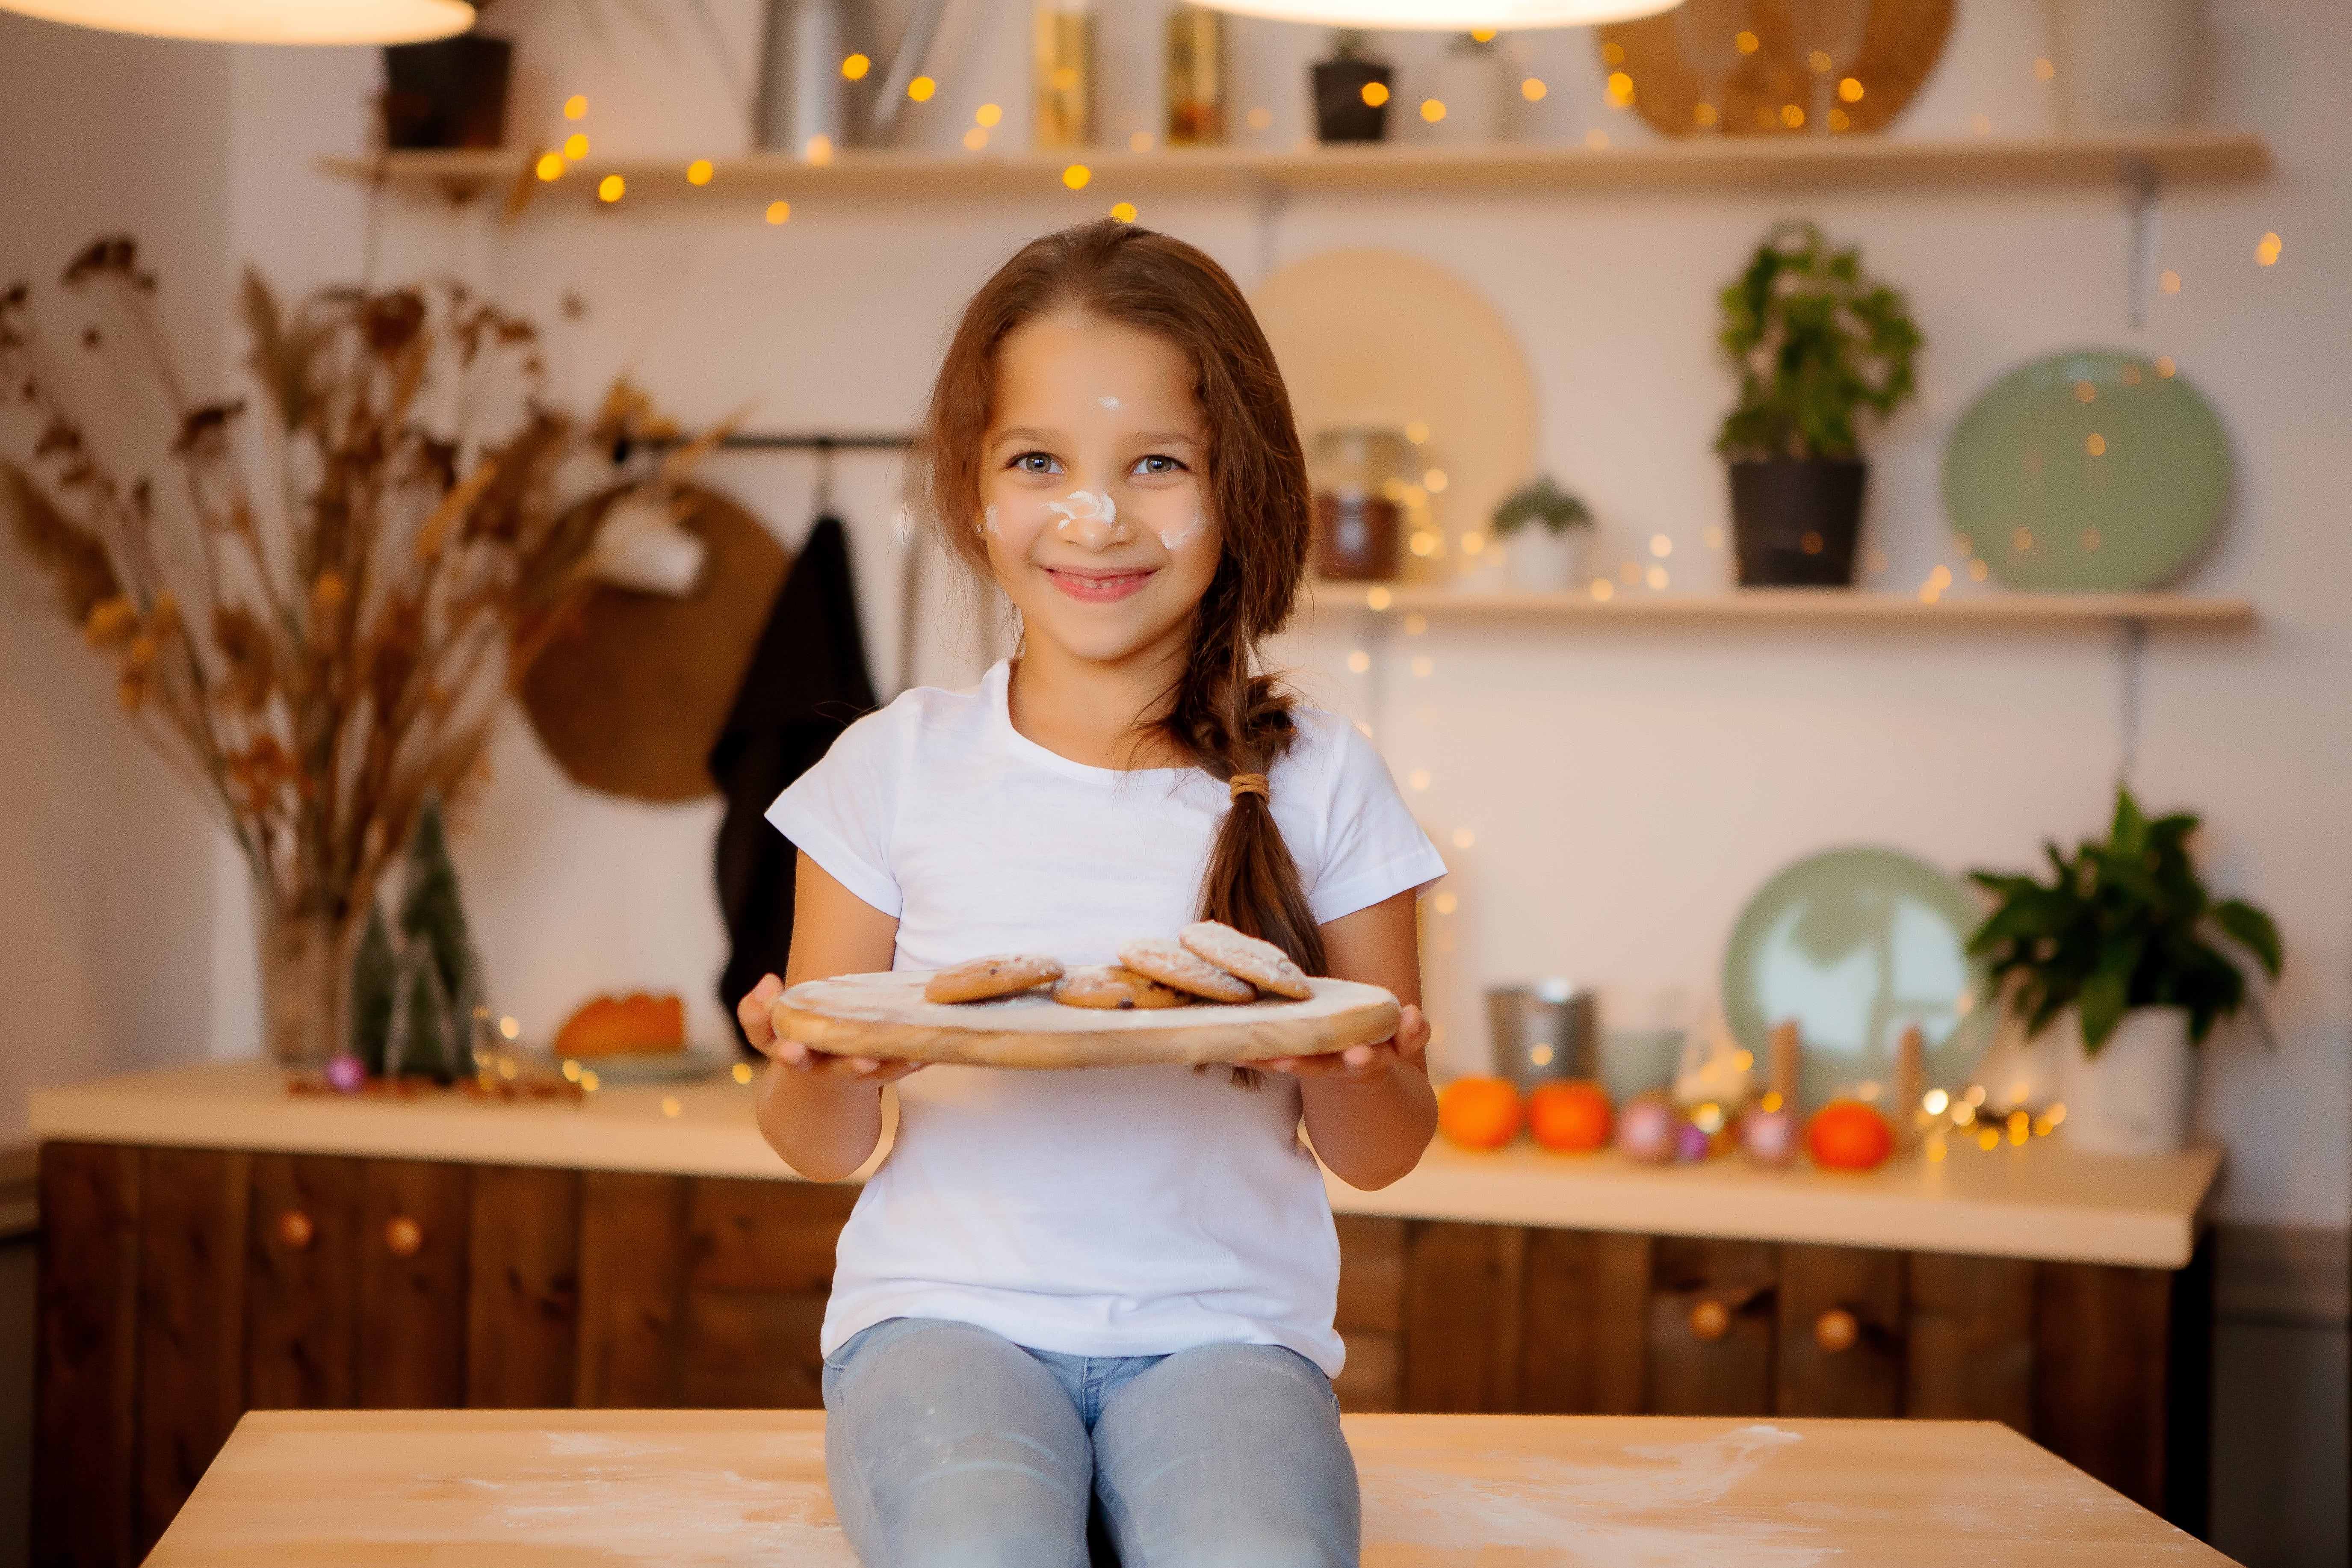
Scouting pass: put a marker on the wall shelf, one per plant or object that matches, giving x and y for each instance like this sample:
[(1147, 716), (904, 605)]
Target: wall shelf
[(1796, 607), (1793, 163)]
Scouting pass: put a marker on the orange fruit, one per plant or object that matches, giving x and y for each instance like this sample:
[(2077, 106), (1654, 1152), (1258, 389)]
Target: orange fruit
[(1847, 1135), (1570, 1115), (1479, 1112)]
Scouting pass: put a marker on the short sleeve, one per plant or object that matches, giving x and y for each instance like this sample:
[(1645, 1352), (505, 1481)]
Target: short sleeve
[(840, 811), (1373, 849)]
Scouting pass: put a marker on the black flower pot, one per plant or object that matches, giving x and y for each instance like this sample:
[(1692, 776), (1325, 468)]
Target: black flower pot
[(451, 93), (1341, 113), (1796, 521)]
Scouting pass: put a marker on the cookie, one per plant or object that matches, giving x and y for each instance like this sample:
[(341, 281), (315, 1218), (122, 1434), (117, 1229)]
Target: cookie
[(1000, 974), (1261, 963), (1108, 985), (1169, 961)]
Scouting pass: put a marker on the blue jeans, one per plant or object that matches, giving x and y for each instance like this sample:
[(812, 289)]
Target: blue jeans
[(945, 1444)]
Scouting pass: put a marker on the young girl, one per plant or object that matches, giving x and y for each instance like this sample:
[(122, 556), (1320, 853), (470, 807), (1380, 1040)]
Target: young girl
[(1109, 1288)]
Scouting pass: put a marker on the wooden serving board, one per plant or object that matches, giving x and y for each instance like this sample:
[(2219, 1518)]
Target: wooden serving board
[(885, 1017)]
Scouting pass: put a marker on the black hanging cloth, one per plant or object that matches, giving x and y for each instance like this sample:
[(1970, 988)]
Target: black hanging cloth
[(806, 683)]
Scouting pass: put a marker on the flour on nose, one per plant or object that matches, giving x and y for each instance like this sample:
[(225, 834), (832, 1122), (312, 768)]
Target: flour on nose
[(1084, 506), (1108, 402)]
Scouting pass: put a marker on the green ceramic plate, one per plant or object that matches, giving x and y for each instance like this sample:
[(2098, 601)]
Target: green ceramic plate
[(1857, 945), (2090, 472)]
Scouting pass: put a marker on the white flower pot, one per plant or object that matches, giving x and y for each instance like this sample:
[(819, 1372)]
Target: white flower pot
[(2124, 65), (2134, 1096), (1473, 85), (1539, 561)]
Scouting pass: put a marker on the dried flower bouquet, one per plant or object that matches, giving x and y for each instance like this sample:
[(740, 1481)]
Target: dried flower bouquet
[(314, 612)]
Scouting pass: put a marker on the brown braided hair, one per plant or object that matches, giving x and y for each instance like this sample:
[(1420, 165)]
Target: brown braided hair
[(1222, 714)]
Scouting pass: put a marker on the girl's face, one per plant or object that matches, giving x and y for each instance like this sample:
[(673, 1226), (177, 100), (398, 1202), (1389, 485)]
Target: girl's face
[(1094, 505)]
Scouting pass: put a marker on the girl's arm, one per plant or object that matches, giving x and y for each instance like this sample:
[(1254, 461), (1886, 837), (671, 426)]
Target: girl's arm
[(822, 1113), (1370, 1109)]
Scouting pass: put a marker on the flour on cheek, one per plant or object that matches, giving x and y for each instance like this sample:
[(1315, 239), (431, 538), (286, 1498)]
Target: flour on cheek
[(1173, 539)]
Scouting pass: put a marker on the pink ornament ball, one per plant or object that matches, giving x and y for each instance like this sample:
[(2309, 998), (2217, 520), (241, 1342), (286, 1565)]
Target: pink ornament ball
[(1771, 1137), (1649, 1131), (346, 1075), (1691, 1143)]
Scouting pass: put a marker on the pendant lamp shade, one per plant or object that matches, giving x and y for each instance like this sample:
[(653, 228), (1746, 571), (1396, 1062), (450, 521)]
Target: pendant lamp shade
[(261, 21), (1445, 16)]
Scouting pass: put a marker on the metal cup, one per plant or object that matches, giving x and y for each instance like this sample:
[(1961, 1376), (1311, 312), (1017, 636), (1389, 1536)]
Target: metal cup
[(1542, 1031)]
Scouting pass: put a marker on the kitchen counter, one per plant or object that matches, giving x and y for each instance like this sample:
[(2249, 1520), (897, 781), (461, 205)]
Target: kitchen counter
[(2040, 1201)]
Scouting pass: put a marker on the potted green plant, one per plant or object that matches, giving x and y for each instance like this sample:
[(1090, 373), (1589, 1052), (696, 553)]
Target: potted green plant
[(2117, 950), (1543, 529), (1817, 341)]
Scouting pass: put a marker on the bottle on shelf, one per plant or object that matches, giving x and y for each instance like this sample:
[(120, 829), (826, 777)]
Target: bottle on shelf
[(1065, 68)]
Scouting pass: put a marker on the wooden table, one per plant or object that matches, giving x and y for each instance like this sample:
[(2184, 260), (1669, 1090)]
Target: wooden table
[(552, 1489)]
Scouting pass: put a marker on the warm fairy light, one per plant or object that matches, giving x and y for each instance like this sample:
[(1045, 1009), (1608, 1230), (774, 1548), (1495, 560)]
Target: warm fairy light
[(1603, 589), (1417, 431), (1747, 42), (1620, 89), (1422, 667), (2170, 283), (1434, 480), (1712, 538), (1838, 120), (2096, 444), (2022, 539), (1656, 578), (1418, 778), (1614, 53), (2084, 391), (1792, 116), (576, 106), (1424, 543), (1963, 1113), (1432, 110), (2164, 366), (1851, 89), (1123, 211), (856, 67), (1446, 903), (609, 188), (1360, 661), (975, 139), (1472, 544), (1376, 93), (1482, 34), (2266, 254), (1378, 599), (1660, 546), (741, 1072), (1930, 593), (550, 166), (1413, 624), (511, 1028), (1744, 1061), (1979, 124), (818, 149), (1259, 119), (779, 211), (1065, 78), (1935, 1151), (1976, 570), (922, 89), (572, 1070), (2056, 1114), (1533, 90), (1989, 1138), (1414, 495), (988, 114), (1463, 838), (1140, 143), (1933, 1102), (1703, 114), (509, 1068), (2044, 70), (1596, 139), (1964, 544), (671, 1106), (699, 172), (589, 1081), (1077, 175), (575, 146)]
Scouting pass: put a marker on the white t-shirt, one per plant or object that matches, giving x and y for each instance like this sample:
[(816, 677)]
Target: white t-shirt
[(1099, 1210)]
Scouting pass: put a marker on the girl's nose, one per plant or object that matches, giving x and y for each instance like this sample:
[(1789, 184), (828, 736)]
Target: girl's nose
[(1089, 519)]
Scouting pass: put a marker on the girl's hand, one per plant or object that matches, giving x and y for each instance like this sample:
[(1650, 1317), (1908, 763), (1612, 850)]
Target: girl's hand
[(755, 1012), (1361, 1064)]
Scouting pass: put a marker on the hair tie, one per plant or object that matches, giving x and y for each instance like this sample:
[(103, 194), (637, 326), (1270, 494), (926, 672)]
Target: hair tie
[(1250, 784)]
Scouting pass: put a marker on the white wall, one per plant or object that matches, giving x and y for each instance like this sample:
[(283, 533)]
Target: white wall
[(1628, 788), (107, 863)]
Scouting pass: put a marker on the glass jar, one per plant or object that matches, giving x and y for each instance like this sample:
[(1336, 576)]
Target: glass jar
[(1064, 66), (1358, 475), (1196, 76)]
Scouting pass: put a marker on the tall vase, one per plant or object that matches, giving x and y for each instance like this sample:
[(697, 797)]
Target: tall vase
[(305, 982)]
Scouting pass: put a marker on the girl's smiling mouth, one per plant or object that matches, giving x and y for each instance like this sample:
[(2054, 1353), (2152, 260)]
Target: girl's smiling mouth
[(1100, 586)]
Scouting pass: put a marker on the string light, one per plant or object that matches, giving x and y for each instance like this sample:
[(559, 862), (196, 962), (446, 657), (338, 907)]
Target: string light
[(1360, 661), (576, 106), (988, 114), (1596, 139), (699, 172), (2170, 283), (1979, 124), (1123, 211), (819, 150), (1434, 480), (742, 1072), (1533, 90), (856, 67), (550, 166), (1432, 109), (609, 188), (1140, 143), (1417, 779), (2266, 254), (2044, 70), (922, 89), (575, 146), (779, 211), (1446, 903), (1376, 93), (671, 1106), (1463, 838), (1660, 546), (1851, 89), (1603, 590), (1378, 599), (975, 139), (1077, 175), (1417, 431), (1620, 89), (1747, 42)]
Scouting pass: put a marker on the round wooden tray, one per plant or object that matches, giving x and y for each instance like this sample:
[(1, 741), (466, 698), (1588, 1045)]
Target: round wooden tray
[(885, 1017)]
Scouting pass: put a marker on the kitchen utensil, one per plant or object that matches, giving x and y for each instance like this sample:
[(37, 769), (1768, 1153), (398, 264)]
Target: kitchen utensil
[(1854, 946), (1542, 1031), (886, 1017), (2090, 471)]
